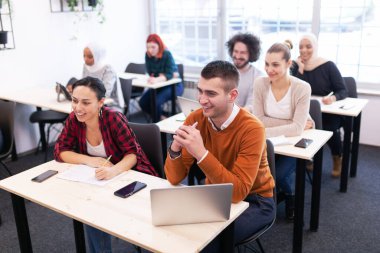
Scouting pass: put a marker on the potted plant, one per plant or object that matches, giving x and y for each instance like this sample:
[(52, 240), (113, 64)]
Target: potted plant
[(91, 3), (72, 4), (3, 34)]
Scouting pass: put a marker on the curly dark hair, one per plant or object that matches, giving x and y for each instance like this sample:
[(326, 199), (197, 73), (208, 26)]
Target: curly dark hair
[(252, 42)]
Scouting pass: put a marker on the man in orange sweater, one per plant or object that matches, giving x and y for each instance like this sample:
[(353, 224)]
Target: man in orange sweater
[(228, 144)]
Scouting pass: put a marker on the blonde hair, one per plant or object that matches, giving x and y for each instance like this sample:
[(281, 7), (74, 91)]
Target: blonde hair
[(284, 48)]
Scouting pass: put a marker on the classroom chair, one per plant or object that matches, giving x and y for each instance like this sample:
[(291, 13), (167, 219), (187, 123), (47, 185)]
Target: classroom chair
[(6, 125), (46, 117), (351, 86), (256, 236), (137, 68), (126, 89), (316, 115), (149, 137)]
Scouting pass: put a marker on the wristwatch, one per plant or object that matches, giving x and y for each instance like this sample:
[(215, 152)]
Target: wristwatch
[(173, 154)]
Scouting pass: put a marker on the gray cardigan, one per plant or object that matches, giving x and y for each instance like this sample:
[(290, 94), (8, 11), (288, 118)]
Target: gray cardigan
[(300, 95)]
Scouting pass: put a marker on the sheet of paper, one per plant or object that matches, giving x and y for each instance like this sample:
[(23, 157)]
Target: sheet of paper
[(82, 173), (279, 140)]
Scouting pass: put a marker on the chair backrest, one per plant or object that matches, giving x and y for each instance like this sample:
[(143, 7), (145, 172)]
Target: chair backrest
[(181, 71), (315, 113), (138, 68), (271, 161), (126, 89), (6, 126), (149, 137), (351, 86)]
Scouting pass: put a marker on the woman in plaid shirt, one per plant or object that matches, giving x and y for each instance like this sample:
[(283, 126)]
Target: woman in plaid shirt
[(94, 132)]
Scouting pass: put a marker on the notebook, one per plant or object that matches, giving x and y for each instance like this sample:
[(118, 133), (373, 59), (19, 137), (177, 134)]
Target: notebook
[(188, 105), (191, 204)]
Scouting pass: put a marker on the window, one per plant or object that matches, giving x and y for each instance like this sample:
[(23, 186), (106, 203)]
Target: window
[(348, 31)]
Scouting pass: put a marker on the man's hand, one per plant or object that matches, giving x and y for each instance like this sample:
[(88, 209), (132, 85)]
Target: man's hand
[(190, 138)]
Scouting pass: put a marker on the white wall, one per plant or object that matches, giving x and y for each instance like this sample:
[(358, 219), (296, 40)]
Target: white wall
[(49, 48), (369, 131)]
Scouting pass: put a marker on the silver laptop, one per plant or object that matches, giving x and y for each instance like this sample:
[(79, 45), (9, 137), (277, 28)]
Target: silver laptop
[(191, 204), (188, 105)]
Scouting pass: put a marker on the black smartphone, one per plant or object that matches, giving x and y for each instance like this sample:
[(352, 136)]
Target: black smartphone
[(303, 143), (130, 189), (42, 177)]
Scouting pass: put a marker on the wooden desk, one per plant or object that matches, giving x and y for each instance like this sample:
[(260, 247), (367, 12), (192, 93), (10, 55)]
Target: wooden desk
[(319, 137), (36, 96), (141, 81), (351, 109), (313, 151), (128, 219)]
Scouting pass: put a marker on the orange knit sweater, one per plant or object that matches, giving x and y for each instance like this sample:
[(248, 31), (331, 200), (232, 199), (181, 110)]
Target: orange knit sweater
[(236, 155)]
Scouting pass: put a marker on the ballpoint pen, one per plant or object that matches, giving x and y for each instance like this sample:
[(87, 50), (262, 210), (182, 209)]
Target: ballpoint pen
[(106, 161), (330, 94)]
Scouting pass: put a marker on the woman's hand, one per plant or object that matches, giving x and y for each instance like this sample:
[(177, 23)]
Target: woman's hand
[(300, 64), (97, 162), (105, 173), (309, 124), (152, 80), (328, 99)]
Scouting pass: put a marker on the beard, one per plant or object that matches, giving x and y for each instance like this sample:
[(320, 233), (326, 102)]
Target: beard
[(241, 62)]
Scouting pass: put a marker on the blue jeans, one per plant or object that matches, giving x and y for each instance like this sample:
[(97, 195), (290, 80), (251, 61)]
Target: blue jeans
[(285, 168), (163, 95), (261, 212), (98, 241)]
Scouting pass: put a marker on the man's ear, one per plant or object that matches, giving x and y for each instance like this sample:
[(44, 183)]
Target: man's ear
[(233, 95)]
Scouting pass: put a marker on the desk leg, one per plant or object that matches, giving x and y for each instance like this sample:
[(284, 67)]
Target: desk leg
[(80, 242), (41, 127), (227, 239), (155, 117), (346, 153), (22, 224), (316, 191), (299, 206), (174, 99), (355, 145)]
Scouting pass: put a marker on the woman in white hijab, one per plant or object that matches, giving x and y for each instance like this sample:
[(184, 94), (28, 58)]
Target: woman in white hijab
[(95, 66), (324, 78)]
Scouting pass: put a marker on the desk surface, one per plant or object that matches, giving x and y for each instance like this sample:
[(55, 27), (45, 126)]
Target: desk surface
[(140, 80), (128, 219), (346, 107), (37, 96), (40, 97), (171, 124), (319, 137)]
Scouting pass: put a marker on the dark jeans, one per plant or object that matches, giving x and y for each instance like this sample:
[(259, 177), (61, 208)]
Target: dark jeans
[(333, 123), (97, 240), (163, 95), (261, 212), (285, 168)]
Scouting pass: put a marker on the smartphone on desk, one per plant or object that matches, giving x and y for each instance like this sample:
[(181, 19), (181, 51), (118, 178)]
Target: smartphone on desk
[(130, 189), (303, 143), (42, 177)]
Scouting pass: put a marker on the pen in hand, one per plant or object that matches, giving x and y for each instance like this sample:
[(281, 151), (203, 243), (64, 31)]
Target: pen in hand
[(106, 161), (330, 94)]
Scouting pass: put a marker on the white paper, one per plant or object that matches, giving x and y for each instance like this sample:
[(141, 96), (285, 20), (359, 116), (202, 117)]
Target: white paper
[(279, 140), (82, 173)]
